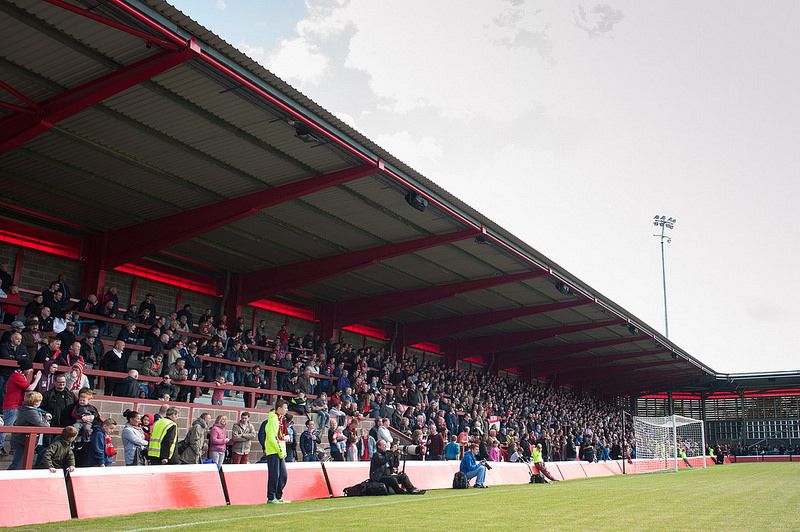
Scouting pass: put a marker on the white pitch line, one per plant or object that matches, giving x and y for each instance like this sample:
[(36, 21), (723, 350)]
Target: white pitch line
[(400, 500)]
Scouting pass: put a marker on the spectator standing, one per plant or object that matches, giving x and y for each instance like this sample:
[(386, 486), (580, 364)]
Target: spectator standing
[(19, 383), (59, 402), (58, 454), (134, 444), (28, 415), (309, 440), (243, 434), (275, 450), (101, 449), (115, 361), (163, 439), (196, 440), (12, 349), (218, 440)]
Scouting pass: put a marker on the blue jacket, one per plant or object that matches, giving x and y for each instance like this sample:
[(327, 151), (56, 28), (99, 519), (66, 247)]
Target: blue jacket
[(97, 448), (468, 463)]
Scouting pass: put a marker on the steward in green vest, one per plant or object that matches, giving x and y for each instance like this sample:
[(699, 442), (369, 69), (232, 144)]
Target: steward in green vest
[(163, 439)]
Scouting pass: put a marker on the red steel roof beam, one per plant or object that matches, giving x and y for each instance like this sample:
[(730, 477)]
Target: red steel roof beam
[(591, 361), (466, 347), (19, 128), (514, 358), (367, 308), (263, 283), (433, 329), (641, 378), (114, 24), (619, 369), (133, 242)]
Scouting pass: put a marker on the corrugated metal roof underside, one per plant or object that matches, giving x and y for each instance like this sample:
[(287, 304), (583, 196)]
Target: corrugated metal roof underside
[(190, 137)]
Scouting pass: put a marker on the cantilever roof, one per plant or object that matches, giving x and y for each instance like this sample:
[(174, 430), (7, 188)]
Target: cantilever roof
[(215, 125)]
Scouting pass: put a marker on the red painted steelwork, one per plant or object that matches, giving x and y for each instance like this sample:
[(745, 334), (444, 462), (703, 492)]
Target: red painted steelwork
[(256, 285), (283, 308), (166, 278), (465, 347), (363, 309), (366, 330), (433, 329), (114, 24), (22, 127), (31, 237), (428, 347), (33, 107), (590, 361), (591, 372), (40, 215), (133, 242), (514, 358)]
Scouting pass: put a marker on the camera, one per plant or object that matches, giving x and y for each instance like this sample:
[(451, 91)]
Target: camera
[(410, 450), (486, 464)]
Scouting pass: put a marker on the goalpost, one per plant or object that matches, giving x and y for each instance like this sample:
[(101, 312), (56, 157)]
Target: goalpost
[(668, 443)]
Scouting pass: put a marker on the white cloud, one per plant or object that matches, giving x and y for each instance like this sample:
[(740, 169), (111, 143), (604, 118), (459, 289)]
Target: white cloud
[(419, 152), (257, 53), (298, 60), (415, 56), (221, 5)]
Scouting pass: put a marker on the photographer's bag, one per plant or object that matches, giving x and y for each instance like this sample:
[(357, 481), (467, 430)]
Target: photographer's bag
[(460, 481)]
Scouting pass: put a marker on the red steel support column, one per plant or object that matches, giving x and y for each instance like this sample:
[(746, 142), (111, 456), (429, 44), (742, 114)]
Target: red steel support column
[(233, 301), (18, 267), (21, 127)]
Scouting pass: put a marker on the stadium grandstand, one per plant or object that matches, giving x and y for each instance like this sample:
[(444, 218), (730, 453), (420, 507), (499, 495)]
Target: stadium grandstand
[(180, 227)]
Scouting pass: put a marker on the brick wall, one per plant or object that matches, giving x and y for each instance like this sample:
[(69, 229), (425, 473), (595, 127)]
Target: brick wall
[(40, 269)]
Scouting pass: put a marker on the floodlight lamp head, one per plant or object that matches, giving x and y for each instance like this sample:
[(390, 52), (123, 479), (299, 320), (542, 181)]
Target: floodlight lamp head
[(563, 288), (416, 201), (633, 329), (302, 132), (481, 239)]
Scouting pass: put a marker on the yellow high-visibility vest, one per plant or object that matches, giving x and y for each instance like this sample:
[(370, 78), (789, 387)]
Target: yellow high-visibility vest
[(157, 435)]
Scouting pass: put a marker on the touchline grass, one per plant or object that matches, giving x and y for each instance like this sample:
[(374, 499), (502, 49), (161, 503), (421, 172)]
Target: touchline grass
[(730, 497)]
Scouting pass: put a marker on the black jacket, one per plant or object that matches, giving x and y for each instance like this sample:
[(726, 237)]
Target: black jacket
[(60, 406), (127, 387), (111, 362), (382, 464)]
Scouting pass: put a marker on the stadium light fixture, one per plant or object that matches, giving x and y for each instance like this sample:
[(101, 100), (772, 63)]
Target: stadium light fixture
[(564, 288), (664, 222), (416, 201), (304, 133)]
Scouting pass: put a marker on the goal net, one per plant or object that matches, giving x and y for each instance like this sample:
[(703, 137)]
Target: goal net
[(667, 443)]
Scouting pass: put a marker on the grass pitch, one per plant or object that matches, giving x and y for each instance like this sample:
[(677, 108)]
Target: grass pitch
[(731, 497)]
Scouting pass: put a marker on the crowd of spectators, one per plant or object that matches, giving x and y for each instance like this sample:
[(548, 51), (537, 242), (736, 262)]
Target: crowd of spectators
[(439, 409)]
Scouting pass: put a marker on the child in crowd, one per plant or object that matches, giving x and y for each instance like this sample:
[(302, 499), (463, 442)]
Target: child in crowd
[(58, 454), (101, 449), (219, 393)]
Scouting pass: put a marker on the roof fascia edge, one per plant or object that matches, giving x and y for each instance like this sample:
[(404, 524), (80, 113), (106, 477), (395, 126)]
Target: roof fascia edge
[(395, 173)]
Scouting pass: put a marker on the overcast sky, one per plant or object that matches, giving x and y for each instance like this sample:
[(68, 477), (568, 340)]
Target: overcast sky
[(572, 125)]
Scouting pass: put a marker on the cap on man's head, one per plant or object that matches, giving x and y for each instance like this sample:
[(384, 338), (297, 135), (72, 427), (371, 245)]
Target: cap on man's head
[(17, 325)]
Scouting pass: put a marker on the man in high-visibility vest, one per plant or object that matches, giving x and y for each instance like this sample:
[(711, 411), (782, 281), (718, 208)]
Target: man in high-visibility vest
[(163, 439), (682, 454), (275, 450), (536, 455)]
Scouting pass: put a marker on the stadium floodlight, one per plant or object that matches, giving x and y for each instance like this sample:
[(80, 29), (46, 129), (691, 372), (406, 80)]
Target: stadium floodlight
[(664, 222), (564, 288), (662, 442)]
